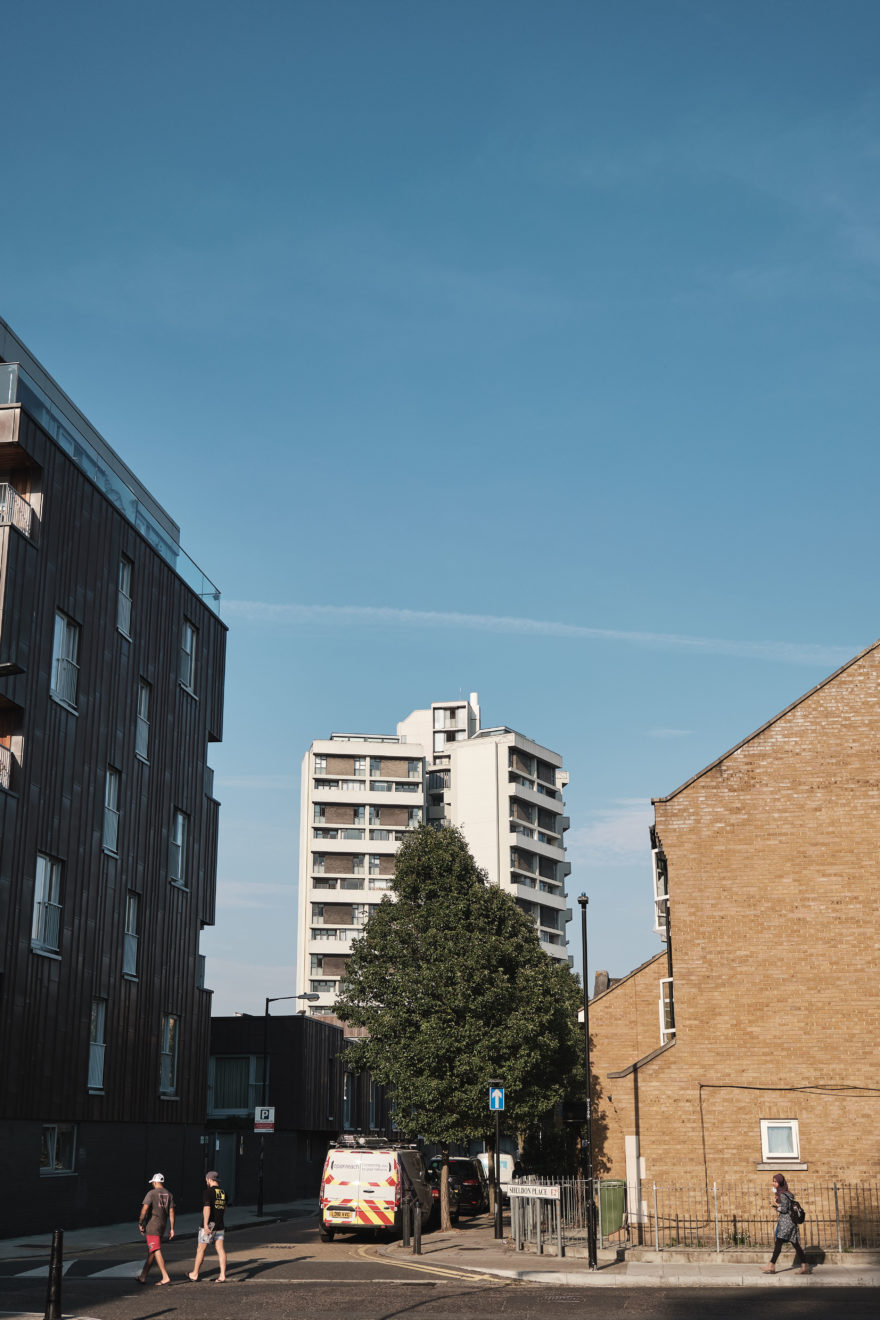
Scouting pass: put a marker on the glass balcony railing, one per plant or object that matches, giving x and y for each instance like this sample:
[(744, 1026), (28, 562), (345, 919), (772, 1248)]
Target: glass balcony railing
[(17, 387)]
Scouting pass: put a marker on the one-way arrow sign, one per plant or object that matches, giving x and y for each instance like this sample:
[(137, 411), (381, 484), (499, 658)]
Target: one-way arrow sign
[(496, 1097)]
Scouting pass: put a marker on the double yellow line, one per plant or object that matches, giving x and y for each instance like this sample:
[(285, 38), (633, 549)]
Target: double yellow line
[(367, 1252)]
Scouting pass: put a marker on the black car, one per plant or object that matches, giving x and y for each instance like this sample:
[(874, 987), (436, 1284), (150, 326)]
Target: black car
[(433, 1180), (473, 1187)]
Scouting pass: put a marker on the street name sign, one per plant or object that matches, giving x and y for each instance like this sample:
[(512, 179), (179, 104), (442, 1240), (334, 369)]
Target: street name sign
[(536, 1190)]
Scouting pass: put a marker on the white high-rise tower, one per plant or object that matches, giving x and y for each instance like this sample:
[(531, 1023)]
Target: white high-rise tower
[(361, 794)]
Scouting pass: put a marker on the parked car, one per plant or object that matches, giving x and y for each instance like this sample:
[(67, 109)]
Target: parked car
[(364, 1183), (454, 1195), (471, 1178)]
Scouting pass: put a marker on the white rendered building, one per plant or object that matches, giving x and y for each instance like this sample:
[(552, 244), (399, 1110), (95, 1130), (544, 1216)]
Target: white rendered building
[(362, 794)]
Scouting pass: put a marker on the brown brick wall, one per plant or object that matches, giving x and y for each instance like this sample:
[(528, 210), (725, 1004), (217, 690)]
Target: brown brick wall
[(775, 912), (338, 914), (338, 813), (394, 817), (339, 864), (394, 767), (340, 765), (386, 865)]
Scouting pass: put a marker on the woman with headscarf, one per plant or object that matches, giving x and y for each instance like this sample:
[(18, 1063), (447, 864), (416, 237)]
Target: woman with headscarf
[(786, 1228)]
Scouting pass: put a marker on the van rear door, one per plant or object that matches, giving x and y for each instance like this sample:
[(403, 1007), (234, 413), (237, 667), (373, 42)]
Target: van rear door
[(379, 1189), (340, 1188)]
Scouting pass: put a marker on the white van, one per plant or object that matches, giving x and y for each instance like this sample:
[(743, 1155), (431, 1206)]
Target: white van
[(506, 1163), (364, 1183)]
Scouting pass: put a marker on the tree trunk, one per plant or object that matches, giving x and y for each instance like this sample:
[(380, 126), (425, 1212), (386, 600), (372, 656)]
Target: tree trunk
[(445, 1220), (490, 1146)]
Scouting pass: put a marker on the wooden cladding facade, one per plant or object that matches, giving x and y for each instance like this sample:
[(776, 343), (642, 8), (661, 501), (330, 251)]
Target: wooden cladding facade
[(55, 809)]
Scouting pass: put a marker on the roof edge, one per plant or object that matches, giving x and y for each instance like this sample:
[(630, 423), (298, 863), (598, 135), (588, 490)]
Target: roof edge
[(763, 728), (622, 980)]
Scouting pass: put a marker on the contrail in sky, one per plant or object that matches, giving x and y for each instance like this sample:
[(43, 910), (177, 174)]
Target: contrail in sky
[(387, 616)]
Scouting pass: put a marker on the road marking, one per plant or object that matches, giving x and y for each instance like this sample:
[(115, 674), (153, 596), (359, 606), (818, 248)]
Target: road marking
[(129, 1270), (444, 1271), (41, 1272)]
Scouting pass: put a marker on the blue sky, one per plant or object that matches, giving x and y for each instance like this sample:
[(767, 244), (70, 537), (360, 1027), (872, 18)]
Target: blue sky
[(512, 347)]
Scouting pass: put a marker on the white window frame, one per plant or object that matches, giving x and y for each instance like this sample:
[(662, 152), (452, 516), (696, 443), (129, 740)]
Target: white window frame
[(773, 1157), (142, 721), (97, 1044), (46, 922), (320, 763), (110, 834), (177, 848), (169, 1051), (189, 637), (65, 660), (123, 598), (661, 890), (666, 1006)]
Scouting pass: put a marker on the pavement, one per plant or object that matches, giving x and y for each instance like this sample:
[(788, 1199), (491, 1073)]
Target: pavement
[(475, 1249)]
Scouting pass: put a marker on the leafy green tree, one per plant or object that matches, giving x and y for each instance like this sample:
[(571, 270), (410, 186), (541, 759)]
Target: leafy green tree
[(451, 982)]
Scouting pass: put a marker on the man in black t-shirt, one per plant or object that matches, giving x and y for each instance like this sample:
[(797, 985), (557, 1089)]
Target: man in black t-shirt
[(213, 1228)]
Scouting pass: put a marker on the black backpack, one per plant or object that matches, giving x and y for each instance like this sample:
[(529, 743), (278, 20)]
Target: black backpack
[(796, 1211)]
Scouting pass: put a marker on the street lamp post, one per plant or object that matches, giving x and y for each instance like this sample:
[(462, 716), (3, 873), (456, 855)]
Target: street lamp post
[(264, 1089), (588, 1162)]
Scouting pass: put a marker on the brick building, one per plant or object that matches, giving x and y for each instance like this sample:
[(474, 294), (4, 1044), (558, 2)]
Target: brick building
[(765, 1057)]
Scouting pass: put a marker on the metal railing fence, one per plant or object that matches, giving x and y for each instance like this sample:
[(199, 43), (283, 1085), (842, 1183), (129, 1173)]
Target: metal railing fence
[(728, 1216)]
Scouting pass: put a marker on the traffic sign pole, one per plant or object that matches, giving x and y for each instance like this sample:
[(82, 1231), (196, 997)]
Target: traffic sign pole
[(499, 1227), (496, 1103)]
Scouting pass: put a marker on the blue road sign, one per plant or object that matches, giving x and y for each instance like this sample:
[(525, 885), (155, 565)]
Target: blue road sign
[(496, 1097)]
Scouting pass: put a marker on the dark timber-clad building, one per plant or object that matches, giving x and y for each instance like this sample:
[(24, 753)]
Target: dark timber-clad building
[(111, 692)]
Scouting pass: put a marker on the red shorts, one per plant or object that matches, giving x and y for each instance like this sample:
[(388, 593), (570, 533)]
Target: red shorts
[(154, 1241)]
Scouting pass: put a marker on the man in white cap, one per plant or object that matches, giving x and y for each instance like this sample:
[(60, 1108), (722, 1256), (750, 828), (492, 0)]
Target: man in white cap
[(157, 1213)]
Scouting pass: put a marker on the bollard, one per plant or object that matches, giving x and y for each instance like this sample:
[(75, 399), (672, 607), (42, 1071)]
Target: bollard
[(53, 1292), (417, 1229), (405, 1213)]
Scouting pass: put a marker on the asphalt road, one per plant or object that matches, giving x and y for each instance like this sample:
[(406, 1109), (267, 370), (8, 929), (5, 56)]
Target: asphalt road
[(283, 1270)]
